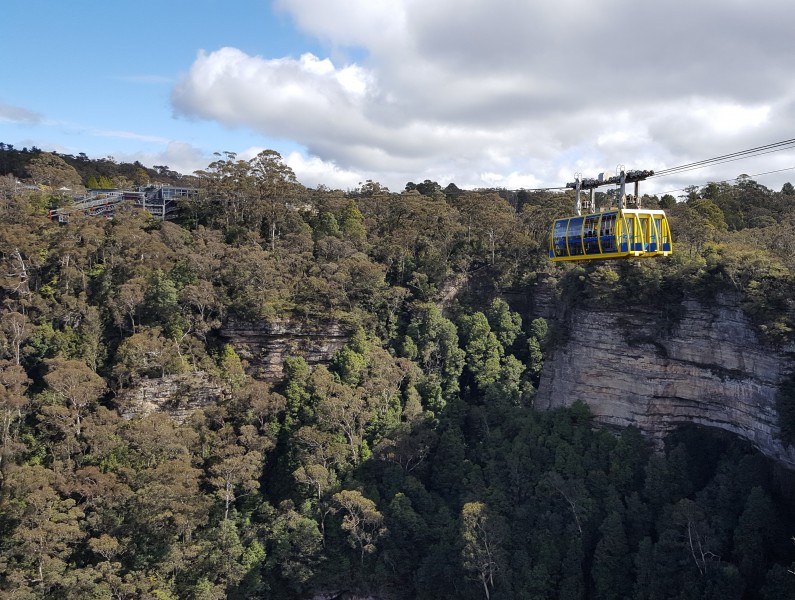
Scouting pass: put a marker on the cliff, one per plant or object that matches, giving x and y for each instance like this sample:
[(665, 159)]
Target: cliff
[(710, 369), (266, 344), (263, 346), (174, 395)]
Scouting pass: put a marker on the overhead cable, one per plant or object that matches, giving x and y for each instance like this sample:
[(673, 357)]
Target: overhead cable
[(750, 152), (684, 189)]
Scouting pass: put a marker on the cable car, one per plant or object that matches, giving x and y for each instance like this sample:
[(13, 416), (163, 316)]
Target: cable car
[(612, 234), (615, 233)]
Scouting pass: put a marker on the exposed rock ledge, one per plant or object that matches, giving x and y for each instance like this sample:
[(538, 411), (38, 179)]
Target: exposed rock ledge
[(175, 395), (341, 595), (263, 346), (266, 344), (711, 371)]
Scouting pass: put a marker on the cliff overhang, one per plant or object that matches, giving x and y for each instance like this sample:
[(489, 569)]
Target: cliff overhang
[(709, 369)]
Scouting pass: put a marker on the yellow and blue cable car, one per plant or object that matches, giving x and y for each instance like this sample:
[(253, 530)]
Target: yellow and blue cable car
[(630, 232), (615, 233)]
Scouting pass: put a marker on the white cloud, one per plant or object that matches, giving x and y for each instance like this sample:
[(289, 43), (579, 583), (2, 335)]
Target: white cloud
[(731, 118), (17, 114), (178, 156), (313, 172), (130, 135), (505, 93), (303, 98), (511, 181), (364, 23)]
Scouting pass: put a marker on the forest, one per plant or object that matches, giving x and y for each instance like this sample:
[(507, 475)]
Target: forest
[(412, 463)]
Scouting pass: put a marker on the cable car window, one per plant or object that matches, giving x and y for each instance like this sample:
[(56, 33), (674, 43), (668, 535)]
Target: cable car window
[(575, 236), (559, 237), (608, 232), (608, 225), (653, 233), (644, 233), (628, 239), (590, 233)]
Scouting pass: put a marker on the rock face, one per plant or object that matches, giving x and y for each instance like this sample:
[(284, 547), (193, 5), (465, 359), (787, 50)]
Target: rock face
[(710, 370), (265, 345), (174, 395), (341, 595)]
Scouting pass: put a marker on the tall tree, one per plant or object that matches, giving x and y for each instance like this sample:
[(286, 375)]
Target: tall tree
[(225, 183), (15, 329), (361, 520), (77, 384), (275, 187), (235, 466), (435, 342), (13, 407), (483, 534), (342, 409), (295, 547), (506, 324), (47, 527), (483, 350)]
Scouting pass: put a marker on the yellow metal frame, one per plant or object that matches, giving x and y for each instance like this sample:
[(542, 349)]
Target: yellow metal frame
[(627, 233)]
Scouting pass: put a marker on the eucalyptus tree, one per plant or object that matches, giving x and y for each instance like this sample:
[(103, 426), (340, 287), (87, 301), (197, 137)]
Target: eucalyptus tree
[(487, 221), (14, 384), (361, 520), (77, 385), (226, 184), (483, 534), (274, 191)]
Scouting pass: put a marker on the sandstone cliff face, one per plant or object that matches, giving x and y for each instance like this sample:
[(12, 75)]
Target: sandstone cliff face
[(265, 345), (710, 370), (175, 395), (341, 595)]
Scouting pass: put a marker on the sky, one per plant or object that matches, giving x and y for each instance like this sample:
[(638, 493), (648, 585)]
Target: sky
[(480, 93)]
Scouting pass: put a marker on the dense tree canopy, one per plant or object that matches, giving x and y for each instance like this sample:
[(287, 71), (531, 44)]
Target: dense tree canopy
[(411, 464)]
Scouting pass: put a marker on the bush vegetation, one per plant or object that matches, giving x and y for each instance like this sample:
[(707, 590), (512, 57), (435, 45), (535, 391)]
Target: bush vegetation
[(413, 464)]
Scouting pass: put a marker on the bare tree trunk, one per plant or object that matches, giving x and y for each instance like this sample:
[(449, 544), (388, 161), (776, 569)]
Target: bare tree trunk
[(22, 286), (227, 498)]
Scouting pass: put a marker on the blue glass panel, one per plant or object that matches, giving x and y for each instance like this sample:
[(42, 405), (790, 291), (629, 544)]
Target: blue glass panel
[(559, 237)]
